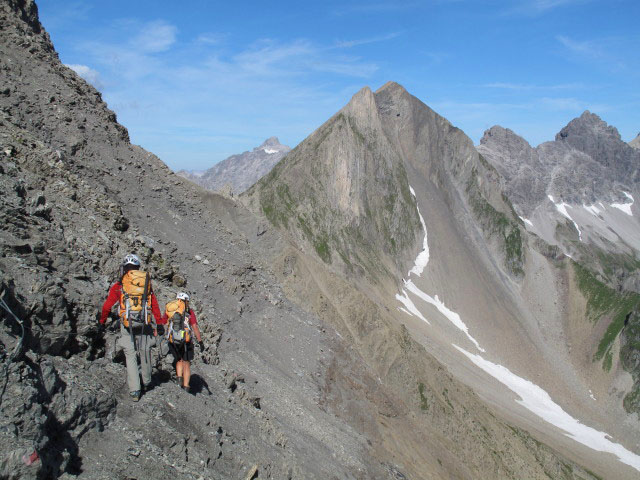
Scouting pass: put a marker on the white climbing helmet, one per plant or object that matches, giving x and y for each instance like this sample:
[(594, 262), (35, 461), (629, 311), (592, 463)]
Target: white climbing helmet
[(182, 296), (131, 259)]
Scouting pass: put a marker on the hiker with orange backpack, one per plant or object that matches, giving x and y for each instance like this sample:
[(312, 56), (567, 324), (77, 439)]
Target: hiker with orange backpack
[(136, 299), (182, 325)]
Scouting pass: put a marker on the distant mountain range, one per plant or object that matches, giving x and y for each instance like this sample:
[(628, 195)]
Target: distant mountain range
[(238, 172)]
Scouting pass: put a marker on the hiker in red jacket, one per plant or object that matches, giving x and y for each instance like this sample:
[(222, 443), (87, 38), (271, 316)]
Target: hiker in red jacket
[(182, 327), (135, 296)]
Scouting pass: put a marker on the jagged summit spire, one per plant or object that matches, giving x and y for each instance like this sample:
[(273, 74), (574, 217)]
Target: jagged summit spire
[(269, 142)]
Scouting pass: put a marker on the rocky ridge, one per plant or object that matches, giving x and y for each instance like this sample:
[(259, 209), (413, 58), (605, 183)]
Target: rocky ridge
[(587, 162), (635, 143), (237, 173)]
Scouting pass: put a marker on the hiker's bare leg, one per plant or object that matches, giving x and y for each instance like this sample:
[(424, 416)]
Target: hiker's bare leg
[(186, 369), (179, 369)]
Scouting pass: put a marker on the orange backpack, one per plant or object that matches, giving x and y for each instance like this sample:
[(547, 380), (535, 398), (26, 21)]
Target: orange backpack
[(179, 330), (136, 288)]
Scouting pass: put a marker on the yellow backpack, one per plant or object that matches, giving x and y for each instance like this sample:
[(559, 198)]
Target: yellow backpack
[(179, 331), (135, 291)]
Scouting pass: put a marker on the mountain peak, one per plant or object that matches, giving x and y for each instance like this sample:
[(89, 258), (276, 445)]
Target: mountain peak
[(390, 85), (270, 142), (635, 143), (588, 125), (498, 134)]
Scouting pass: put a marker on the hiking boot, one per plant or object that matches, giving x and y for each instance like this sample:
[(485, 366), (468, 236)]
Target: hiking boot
[(135, 396), (179, 381)]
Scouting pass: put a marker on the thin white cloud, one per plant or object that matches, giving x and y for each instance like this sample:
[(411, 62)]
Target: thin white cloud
[(155, 37), (89, 74), (539, 7), (532, 87), (378, 7), (543, 5), (211, 38), (268, 57), (366, 41), (587, 48), (605, 52)]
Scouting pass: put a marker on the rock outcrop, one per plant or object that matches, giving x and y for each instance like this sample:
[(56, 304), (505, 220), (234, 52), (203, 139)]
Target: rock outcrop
[(635, 143), (237, 173)]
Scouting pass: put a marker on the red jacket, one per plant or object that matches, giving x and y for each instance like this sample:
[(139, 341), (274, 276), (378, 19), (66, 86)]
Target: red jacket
[(192, 318), (114, 297)]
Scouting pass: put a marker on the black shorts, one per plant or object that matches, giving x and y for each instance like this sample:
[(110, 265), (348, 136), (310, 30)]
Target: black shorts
[(182, 352)]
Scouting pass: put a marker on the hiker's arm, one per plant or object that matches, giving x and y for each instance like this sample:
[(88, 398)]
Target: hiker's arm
[(196, 330), (193, 321), (112, 299)]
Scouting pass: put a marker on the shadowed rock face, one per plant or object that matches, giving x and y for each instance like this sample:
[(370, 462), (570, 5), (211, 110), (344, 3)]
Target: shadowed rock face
[(238, 172)]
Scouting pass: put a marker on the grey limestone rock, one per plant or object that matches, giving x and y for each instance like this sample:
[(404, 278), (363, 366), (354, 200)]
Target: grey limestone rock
[(588, 161)]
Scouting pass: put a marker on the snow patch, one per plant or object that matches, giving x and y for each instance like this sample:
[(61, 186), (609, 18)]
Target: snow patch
[(270, 151), (592, 209), (406, 301), (526, 220), (405, 311), (625, 207), (423, 257), (452, 316), (562, 208), (591, 395), (538, 401)]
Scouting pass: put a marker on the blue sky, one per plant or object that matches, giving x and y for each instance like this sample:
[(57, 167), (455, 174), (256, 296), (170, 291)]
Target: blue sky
[(195, 82)]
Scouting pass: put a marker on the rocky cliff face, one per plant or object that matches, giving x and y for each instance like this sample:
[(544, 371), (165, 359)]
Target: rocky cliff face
[(344, 192), (237, 173), (635, 143)]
